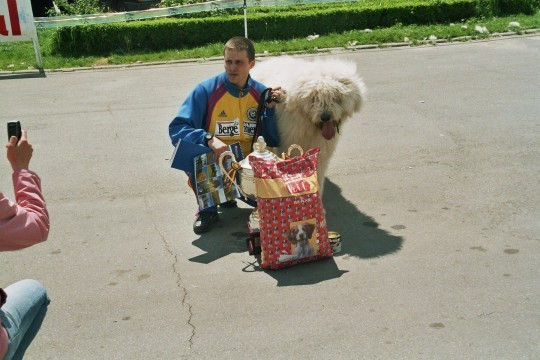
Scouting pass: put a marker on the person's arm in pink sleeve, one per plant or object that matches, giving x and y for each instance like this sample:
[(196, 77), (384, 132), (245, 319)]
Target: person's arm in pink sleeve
[(25, 222)]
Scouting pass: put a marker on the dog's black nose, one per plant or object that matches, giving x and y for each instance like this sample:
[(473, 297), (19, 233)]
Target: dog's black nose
[(325, 117)]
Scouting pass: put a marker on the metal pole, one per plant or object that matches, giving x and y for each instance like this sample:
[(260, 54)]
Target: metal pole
[(245, 20)]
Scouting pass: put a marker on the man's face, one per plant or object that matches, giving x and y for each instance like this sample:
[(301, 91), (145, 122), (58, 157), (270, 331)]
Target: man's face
[(237, 66)]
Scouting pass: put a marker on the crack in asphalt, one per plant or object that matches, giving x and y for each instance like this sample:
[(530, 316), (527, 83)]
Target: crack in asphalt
[(184, 302)]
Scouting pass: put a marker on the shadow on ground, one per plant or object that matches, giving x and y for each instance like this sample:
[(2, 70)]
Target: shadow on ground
[(23, 75), (227, 237), (360, 236), (360, 233)]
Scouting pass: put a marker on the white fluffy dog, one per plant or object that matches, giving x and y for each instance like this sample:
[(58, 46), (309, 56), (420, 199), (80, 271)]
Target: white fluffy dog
[(321, 94)]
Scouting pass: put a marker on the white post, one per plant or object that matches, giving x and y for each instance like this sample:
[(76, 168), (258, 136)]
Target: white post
[(37, 50), (245, 20)]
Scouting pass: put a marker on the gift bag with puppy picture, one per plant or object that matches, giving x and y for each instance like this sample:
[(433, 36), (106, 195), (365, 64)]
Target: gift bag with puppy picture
[(292, 219)]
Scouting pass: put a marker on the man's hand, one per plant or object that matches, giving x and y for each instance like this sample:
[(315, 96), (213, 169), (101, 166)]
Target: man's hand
[(276, 95), (19, 154), (218, 147)]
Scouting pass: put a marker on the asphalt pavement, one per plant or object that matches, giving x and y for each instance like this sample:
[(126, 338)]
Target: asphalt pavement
[(434, 188)]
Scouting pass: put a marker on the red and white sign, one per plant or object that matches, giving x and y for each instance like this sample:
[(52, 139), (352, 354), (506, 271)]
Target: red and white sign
[(17, 24)]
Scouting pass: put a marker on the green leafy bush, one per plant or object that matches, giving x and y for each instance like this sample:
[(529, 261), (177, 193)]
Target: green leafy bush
[(76, 7), (264, 24), (528, 7), (490, 8)]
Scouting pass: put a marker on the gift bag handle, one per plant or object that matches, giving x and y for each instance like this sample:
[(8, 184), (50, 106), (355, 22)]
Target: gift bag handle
[(297, 147)]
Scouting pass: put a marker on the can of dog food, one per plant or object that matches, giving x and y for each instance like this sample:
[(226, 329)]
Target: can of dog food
[(335, 241)]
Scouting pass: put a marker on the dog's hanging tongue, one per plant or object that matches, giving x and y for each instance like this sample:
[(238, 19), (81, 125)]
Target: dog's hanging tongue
[(328, 130)]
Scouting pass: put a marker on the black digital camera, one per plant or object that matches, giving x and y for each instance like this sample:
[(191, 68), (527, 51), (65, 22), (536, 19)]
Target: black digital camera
[(14, 129)]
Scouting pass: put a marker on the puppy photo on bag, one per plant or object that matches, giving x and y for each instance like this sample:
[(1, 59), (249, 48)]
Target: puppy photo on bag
[(300, 235)]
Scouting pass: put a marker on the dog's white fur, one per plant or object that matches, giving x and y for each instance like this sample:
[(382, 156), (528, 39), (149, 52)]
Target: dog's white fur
[(318, 91)]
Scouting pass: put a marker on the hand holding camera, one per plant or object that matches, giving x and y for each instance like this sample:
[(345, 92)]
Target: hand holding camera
[(19, 151)]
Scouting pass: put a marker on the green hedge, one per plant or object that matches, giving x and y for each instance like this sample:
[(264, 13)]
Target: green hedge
[(299, 24), (528, 7), (175, 33)]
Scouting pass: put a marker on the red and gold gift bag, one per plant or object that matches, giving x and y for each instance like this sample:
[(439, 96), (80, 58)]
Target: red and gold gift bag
[(292, 219)]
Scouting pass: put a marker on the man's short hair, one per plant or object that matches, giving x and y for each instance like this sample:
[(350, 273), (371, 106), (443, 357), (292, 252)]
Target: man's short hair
[(240, 43)]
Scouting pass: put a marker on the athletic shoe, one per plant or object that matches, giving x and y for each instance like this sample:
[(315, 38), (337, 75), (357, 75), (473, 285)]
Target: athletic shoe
[(205, 221)]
